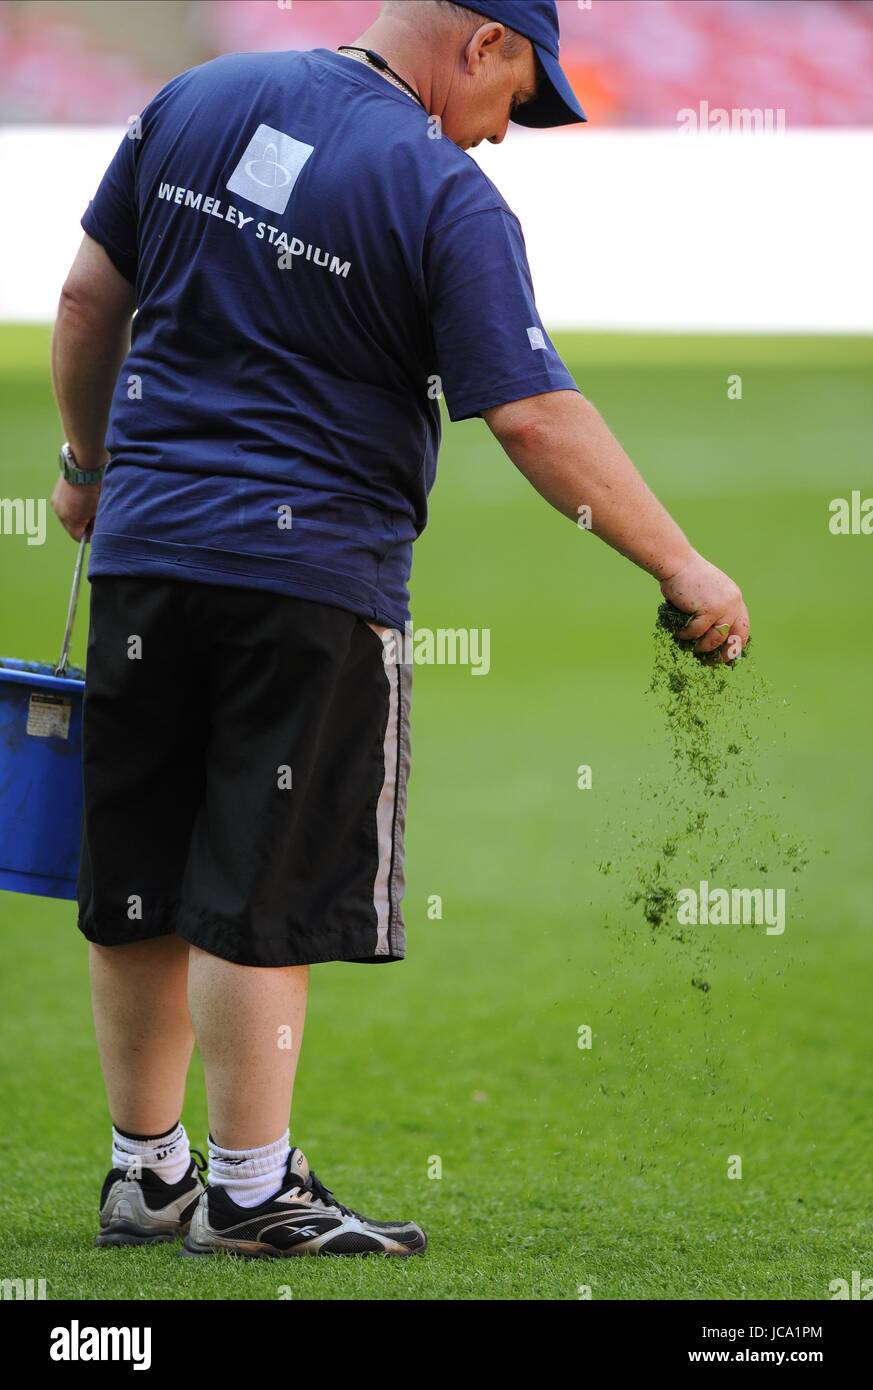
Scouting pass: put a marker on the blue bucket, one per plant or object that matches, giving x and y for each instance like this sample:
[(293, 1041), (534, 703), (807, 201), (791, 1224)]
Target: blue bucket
[(40, 778), (41, 769)]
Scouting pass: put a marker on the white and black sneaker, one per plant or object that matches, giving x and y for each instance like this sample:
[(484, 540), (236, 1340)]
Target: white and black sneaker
[(302, 1218), (144, 1210)]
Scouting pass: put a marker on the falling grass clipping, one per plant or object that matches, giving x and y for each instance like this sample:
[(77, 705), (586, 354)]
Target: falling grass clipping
[(713, 817)]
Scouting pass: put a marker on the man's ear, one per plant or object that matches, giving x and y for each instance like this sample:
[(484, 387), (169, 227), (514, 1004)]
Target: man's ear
[(487, 41)]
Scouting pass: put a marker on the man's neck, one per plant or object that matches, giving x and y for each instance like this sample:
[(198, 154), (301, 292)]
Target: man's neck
[(404, 53)]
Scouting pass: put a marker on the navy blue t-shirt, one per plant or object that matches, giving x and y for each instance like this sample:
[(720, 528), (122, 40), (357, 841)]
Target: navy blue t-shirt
[(313, 266)]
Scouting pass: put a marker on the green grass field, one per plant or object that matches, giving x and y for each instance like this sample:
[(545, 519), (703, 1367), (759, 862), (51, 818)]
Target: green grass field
[(561, 1167)]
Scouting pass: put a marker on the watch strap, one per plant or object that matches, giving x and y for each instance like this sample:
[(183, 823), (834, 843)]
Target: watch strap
[(80, 477)]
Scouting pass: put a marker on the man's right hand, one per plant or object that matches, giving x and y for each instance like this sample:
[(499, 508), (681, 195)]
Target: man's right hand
[(720, 619)]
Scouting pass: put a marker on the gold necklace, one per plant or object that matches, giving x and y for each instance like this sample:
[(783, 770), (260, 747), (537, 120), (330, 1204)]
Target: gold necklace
[(362, 55)]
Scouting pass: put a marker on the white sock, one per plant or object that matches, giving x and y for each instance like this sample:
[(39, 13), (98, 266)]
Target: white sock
[(249, 1176), (168, 1155)]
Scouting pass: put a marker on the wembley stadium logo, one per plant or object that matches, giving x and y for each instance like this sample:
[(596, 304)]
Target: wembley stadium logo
[(270, 166), (275, 174)]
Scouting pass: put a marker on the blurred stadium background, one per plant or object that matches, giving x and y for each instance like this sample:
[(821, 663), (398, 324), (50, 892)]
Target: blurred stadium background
[(612, 1164), (636, 61), (639, 212)]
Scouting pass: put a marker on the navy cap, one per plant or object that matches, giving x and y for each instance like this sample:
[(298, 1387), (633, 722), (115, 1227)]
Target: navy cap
[(555, 102)]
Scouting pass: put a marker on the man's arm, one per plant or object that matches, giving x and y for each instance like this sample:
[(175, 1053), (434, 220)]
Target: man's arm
[(567, 452), (90, 341)]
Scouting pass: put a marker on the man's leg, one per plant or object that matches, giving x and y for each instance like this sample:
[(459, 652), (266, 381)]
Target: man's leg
[(282, 874), (139, 997), (145, 1039), (249, 1025)]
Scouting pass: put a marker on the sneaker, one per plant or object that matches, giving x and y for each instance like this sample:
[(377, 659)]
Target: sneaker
[(145, 1210), (302, 1218)]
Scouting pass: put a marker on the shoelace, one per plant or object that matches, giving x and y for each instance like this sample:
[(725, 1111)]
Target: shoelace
[(322, 1194)]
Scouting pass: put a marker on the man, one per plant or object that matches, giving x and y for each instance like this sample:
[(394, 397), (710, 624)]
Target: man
[(312, 257)]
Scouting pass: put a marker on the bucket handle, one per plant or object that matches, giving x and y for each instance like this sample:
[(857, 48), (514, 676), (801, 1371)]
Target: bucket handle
[(71, 607)]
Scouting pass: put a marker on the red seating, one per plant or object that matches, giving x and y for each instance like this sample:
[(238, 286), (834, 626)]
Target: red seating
[(634, 62)]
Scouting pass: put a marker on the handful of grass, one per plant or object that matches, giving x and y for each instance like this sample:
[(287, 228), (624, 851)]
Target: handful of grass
[(672, 620)]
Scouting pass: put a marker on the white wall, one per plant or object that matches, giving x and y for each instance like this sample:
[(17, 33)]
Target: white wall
[(658, 230), (625, 229)]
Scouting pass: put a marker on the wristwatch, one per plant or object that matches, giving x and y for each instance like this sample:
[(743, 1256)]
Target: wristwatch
[(80, 477)]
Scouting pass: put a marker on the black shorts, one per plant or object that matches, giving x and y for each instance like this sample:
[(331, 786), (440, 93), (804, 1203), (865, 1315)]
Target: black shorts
[(246, 756)]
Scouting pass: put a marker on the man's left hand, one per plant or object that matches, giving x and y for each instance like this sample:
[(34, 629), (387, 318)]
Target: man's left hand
[(75, 506)]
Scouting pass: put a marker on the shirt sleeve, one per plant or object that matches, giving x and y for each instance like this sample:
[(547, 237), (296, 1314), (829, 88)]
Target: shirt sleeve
[(491, 346), (111, 217)]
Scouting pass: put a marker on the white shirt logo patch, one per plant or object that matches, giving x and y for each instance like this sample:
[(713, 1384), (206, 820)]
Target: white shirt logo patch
[(269, 168), (535, 335)]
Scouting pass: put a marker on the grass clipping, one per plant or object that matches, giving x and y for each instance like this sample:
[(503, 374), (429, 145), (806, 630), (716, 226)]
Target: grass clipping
[(712, 817)]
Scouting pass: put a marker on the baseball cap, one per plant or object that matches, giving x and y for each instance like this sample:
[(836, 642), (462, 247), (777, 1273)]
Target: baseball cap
[(556, 102)]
